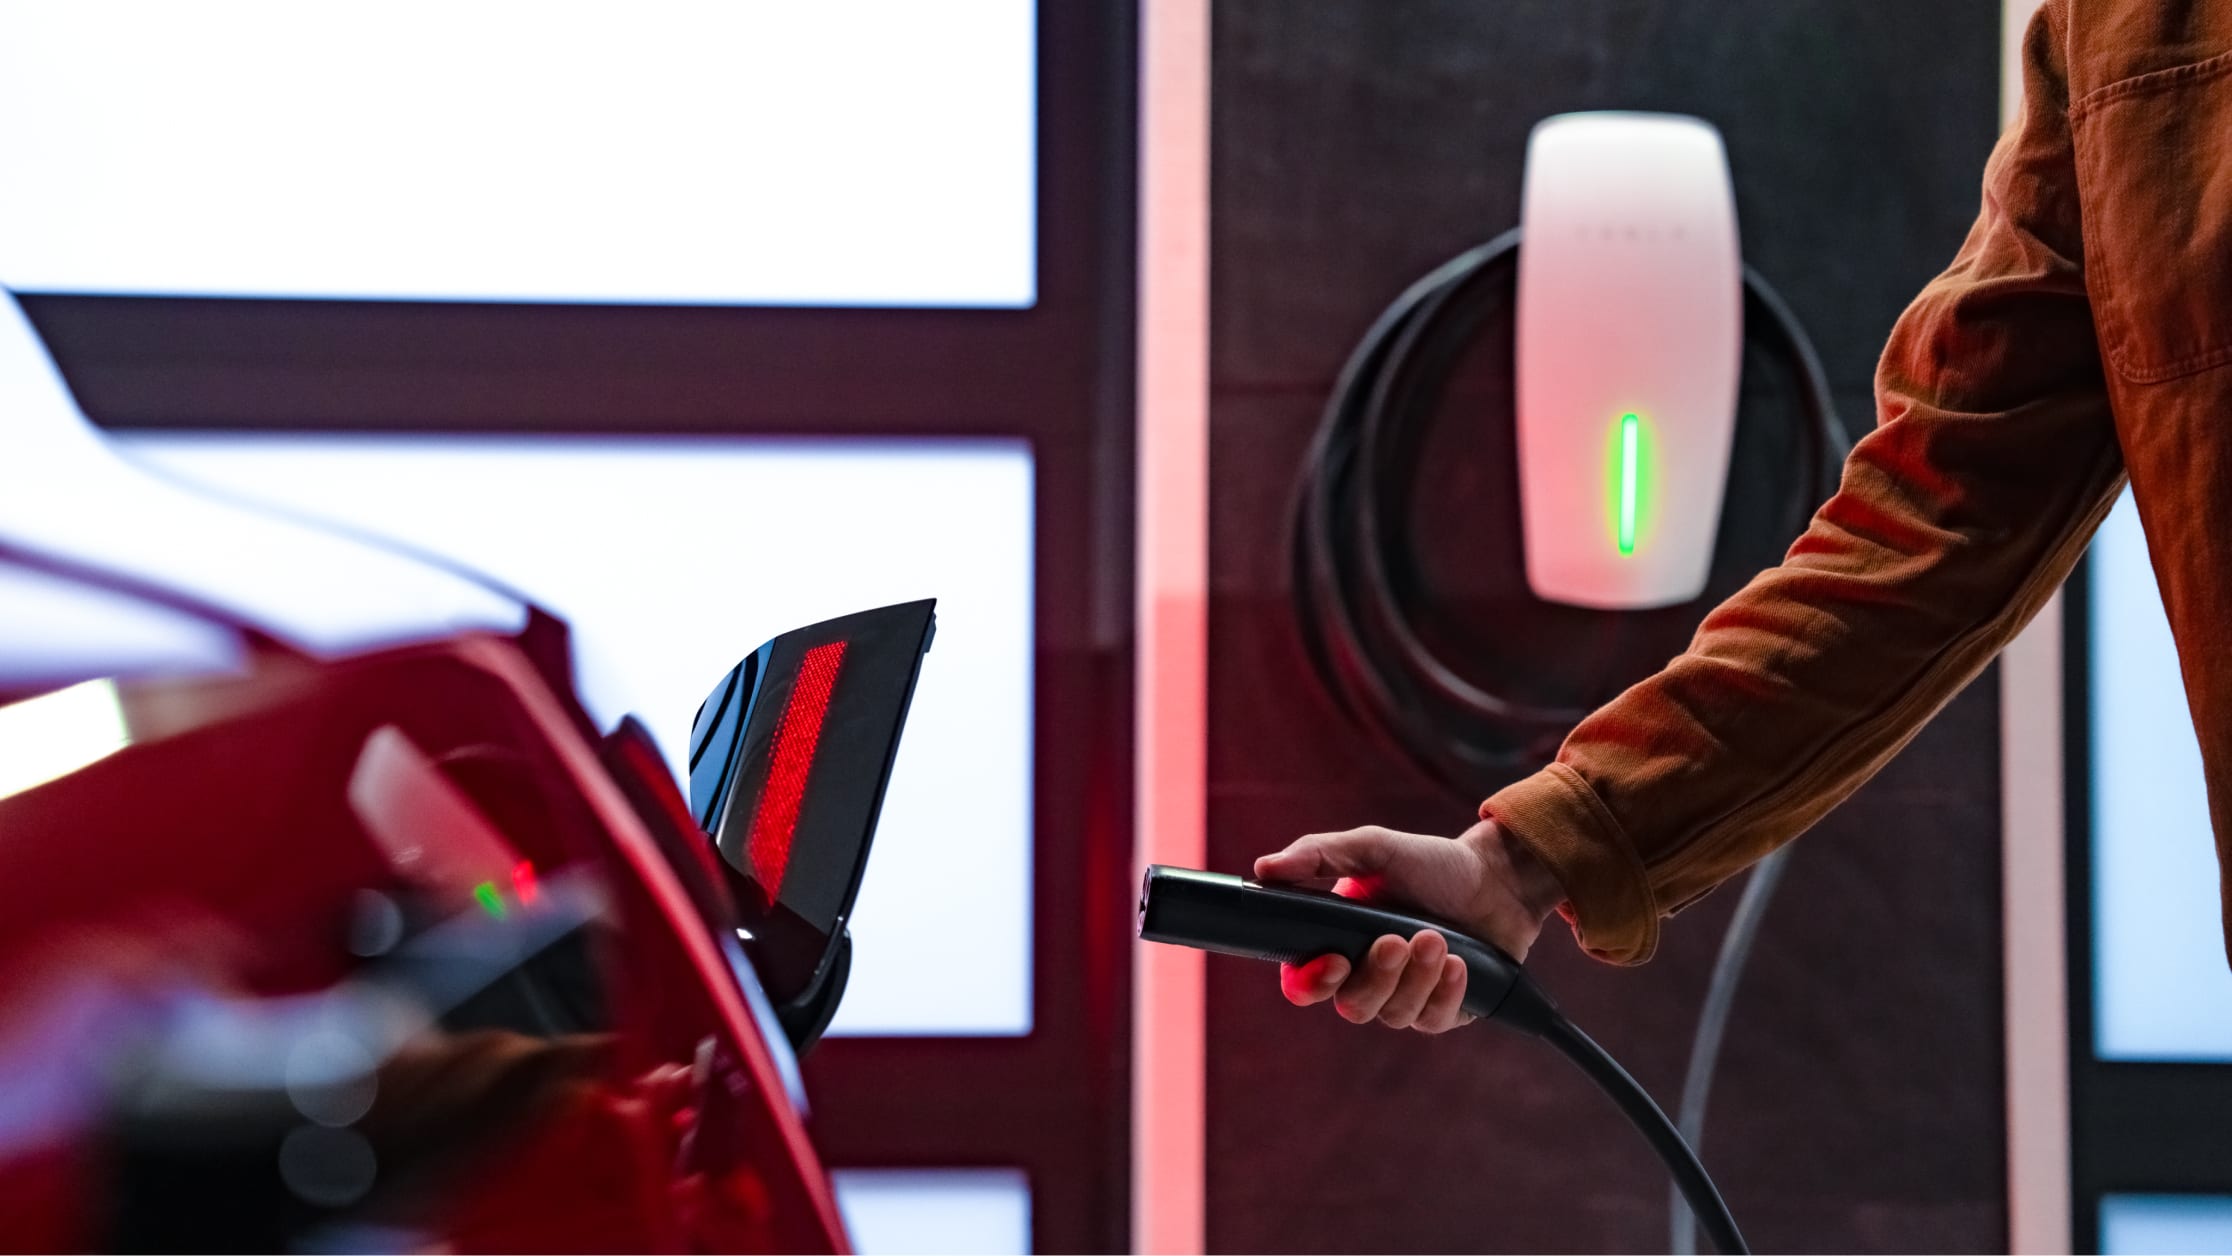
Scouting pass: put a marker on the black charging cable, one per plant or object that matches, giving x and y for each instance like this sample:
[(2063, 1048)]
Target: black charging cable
[(1238, 916), (1348, 517), (1712, 1024), (1692, 1188)]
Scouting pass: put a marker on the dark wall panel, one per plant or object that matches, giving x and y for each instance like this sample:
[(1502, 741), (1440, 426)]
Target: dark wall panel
[(1356, 143)]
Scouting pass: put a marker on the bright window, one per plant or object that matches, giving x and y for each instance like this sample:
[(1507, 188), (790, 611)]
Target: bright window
[(2164, 1225), (841, 152), (924, 1211), (2161, 988)]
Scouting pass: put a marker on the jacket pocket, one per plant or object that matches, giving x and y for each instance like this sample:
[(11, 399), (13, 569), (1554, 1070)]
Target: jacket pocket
[(2154, 179)]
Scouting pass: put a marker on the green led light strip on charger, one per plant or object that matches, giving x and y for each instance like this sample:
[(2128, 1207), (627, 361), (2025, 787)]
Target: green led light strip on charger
[(1631, 471)]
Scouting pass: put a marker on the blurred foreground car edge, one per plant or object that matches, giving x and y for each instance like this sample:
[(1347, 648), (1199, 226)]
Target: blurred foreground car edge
[(333, 932)]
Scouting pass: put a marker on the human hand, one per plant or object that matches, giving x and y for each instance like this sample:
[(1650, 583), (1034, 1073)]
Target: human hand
[(1481, 882)]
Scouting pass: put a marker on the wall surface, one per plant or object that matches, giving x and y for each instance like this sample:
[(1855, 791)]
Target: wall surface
[(1355, 144)]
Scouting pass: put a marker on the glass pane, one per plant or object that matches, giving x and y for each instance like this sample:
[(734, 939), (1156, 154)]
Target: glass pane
[(672, 557), (935, 1210), (2161, 988), (2165, 1224), (852, 152)]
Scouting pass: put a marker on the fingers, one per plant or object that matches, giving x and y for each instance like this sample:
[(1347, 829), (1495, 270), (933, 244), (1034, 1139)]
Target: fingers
[(1314, 982), (1404, 985), (1320, 858), (1443, 1012), (1414, 984), (1368, 988), (1421, 975)]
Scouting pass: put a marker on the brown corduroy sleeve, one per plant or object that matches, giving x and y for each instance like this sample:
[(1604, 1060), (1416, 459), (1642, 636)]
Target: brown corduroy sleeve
[(1994, 459)]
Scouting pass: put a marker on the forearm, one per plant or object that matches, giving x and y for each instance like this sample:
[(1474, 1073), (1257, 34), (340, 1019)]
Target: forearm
[(1794, 693), (1956, 519)]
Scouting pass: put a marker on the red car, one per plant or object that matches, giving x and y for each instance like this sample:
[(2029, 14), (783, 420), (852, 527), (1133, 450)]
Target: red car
[(348, 930)]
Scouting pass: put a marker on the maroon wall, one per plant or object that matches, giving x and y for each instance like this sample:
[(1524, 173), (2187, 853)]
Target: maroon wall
[(1356, 144)]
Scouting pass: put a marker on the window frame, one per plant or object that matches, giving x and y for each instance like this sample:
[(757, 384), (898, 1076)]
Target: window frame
[(1054, 1103), (2135, 1127)]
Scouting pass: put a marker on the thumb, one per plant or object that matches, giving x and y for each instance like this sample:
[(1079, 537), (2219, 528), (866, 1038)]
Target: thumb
[(1319, 859)]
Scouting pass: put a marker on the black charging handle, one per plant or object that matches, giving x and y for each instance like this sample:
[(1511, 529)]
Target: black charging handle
[(1214, 911)]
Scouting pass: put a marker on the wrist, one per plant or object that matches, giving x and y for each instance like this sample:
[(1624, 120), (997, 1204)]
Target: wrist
[(1531, 881)]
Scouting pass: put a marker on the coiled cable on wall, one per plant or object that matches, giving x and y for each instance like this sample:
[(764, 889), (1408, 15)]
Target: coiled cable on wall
[(1712, 1021), (1347, 525), (1371, 657)]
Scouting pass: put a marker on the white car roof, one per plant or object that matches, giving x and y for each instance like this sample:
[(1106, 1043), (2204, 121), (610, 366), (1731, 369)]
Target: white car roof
[(71, 503), (58, 630)]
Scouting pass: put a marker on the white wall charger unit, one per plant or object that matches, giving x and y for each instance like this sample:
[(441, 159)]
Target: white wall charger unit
[(1629, 342)]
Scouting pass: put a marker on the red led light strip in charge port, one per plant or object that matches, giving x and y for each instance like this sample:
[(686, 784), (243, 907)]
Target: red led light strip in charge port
[(797, 735)]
